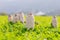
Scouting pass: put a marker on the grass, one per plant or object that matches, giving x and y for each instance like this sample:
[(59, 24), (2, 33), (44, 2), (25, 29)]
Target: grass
[(42, 30)]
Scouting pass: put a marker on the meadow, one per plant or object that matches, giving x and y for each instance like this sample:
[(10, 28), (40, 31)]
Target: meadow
[(17, 31)]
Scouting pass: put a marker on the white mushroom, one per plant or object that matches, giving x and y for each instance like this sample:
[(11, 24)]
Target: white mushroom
[(10, 18), (54, 21), (15, 18), (30, 21), (21, 17)]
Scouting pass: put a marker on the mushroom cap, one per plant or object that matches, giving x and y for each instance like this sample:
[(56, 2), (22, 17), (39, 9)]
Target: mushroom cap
[(15, 14), (9, 15), (54, 16), (30, 13)]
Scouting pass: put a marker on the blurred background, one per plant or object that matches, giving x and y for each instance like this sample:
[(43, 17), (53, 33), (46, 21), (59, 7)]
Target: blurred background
[(41, 7)]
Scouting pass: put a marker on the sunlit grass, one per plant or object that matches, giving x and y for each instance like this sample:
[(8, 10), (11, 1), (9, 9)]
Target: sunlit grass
[(17, 31)]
